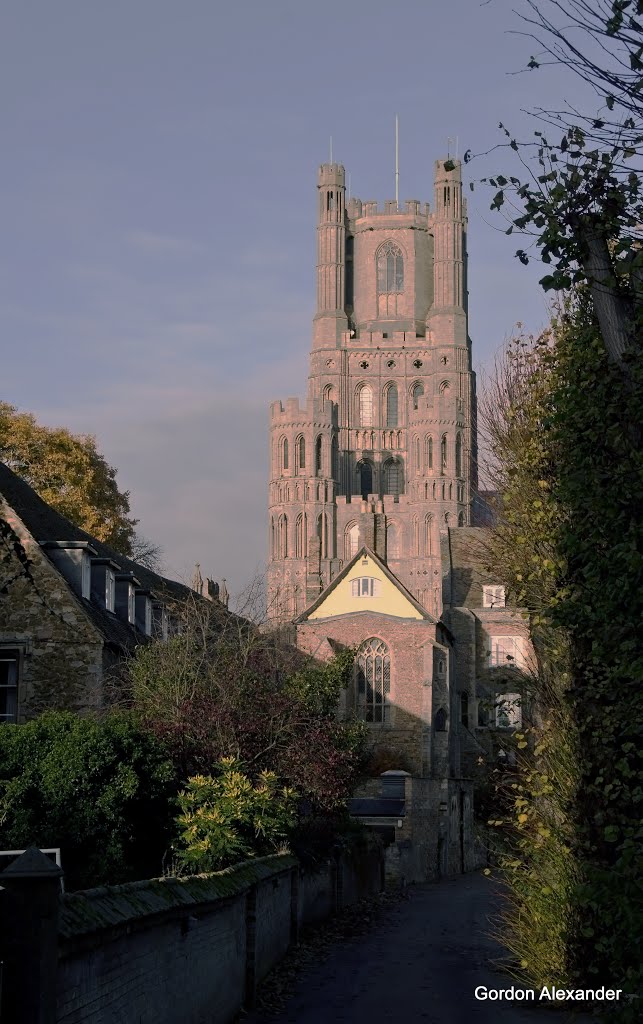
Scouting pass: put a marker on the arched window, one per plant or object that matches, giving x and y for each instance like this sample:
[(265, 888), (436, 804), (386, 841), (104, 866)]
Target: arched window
[(322, 533), (284, 453), (334, 459), (273, 538), (416, 393), (301, 453), (365, 402), (464, 709), (392, 541), (415, 526), (443, 452), (460, 518), (329, 393), (390, 268), (365, 477), (428, 535), (318, 456), (441, 720), (458, 454), (428, 452), (351, 541), (391, 405), (373, 681), (392, 477), (283, 536), (301, 536), (416, 454)]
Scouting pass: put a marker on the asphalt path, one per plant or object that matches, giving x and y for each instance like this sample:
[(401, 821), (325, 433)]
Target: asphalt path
[(422, 963)]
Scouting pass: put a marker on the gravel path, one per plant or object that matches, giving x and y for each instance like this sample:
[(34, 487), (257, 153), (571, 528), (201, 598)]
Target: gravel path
[(421, 963)]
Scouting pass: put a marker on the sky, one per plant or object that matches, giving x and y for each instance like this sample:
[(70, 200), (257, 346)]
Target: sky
[(157, 250)]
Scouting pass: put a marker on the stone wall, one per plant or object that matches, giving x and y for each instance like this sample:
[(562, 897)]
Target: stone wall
[(170, 950)]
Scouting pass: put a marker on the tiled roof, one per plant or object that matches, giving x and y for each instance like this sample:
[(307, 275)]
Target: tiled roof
[(45, 524)]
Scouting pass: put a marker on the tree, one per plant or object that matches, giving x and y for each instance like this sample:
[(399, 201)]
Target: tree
[(69, 473), (583, 197)]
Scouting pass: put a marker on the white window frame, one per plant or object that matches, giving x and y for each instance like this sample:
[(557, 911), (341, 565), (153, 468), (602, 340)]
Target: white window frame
[(493, 596), (110, 590), (506, 651), (366, 586)]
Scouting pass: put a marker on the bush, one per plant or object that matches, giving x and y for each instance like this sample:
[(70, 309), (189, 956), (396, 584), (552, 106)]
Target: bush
[(102, 791)]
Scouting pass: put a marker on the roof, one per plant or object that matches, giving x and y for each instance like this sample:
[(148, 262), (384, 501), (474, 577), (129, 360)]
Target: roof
[(45, 524), (376, 807), (344, 573)]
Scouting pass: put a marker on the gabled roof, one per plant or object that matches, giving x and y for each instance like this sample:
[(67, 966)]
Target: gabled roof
[(415, 609), (45, 524)]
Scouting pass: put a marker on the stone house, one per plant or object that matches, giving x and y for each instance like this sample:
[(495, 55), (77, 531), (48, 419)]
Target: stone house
[(67, 626)]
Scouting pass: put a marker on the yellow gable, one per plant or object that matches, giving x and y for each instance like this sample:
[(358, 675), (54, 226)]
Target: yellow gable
[(366, 588)]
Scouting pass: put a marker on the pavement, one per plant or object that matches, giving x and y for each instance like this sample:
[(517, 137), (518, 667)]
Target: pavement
[(422, 963)]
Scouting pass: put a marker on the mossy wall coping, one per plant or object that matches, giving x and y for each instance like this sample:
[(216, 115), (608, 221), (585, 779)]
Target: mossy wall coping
[(109, 906)]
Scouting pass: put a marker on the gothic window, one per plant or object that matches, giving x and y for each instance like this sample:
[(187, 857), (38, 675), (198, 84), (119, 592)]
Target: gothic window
[(329, 393), (441, 720), (351, 541), (458, 454), (373, 681), (464, 709), (390, 268), (416, 393), (415, 526), (334, 459), (428, 535), (416, 454), (392, 541), (392, 477), (301, 453), (273, 539), (318, 456), (365, 402), (283, 536), (330, 201), (365, 476), (322, 533), (428, 452), (301, 536), (284, 453), (443, 452), (445, 386), (391, 405), (460, 518)]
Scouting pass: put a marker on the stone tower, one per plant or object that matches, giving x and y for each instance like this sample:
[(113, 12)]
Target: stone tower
[(383, 451)]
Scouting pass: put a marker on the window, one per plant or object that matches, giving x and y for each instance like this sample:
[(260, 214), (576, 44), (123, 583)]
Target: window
[(334, 458), (416, 454), (284, 453), (366, 586), (508, 711), (392, 541), (110, 590), (464, 709), (9, 665), (443, 452), (301, 536), (428, 452), (351, 541), (390, 268), (329, 393), (283, 536), (318, 456), (373, 679), (460, 518), (392, 477), (365, 401), (391, 405), (416, 393), (440, 720), (301, 453), (458, 455), (428, 535), (365, 476), (493, 597), (86, 576), (322, 533), (506, 652)]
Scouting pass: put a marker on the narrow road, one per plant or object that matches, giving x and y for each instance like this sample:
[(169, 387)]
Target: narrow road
[(422, 964)]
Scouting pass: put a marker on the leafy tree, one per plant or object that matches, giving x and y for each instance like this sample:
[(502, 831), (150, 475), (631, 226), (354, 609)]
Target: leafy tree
[(228, 817), (69, 473), (101, 791)]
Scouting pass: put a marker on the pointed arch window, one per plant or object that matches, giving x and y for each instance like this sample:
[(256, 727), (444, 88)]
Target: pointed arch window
[(301, 453), (284, 453), (351, 541), (428, 452), (392, 541), (301, 536), (329, 393), (391, 405), (390, 268), (334, 459), (460, 518), (318, 456), (283, 536), (458, 454), (392, 477), (416, 393), (365, 406), (373, 681), (428, 535), (322, 533), (443, 452), (416, 454), (365, 477)]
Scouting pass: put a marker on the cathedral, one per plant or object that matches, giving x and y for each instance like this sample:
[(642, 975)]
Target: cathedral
[(374, 515)]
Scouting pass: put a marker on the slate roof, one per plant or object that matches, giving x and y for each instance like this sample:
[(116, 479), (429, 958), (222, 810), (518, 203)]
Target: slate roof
[(45, 524), (376, 807)]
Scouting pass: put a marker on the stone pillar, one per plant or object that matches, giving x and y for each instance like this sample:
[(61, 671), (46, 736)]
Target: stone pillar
[(29, 908)]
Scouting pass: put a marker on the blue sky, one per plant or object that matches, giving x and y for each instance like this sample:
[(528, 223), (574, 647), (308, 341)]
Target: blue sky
[(158, 219)]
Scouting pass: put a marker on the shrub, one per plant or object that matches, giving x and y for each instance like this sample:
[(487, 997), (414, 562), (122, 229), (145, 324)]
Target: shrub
[(102, 791)]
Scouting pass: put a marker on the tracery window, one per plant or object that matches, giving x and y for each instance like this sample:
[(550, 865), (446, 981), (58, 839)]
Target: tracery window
[(390, 268), (373, 681), (391, 405), (392, 477)]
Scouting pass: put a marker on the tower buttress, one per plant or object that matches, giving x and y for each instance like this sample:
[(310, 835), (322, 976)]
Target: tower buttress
[(330, 319), (447, 317)]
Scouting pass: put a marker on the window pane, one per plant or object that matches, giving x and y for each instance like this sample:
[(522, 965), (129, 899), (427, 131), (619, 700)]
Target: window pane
[(391, 406)]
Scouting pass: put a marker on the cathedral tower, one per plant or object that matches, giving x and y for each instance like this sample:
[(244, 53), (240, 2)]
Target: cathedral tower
[(382, 452)]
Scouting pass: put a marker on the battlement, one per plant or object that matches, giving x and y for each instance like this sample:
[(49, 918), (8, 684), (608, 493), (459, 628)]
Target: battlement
[(295, 412), (331, 174), (357, 209)]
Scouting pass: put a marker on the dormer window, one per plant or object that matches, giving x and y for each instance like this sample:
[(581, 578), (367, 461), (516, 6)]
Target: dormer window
[(103, 589), (72, 558), (366, 586), (126, 585), (493, 596), (110, 591)]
